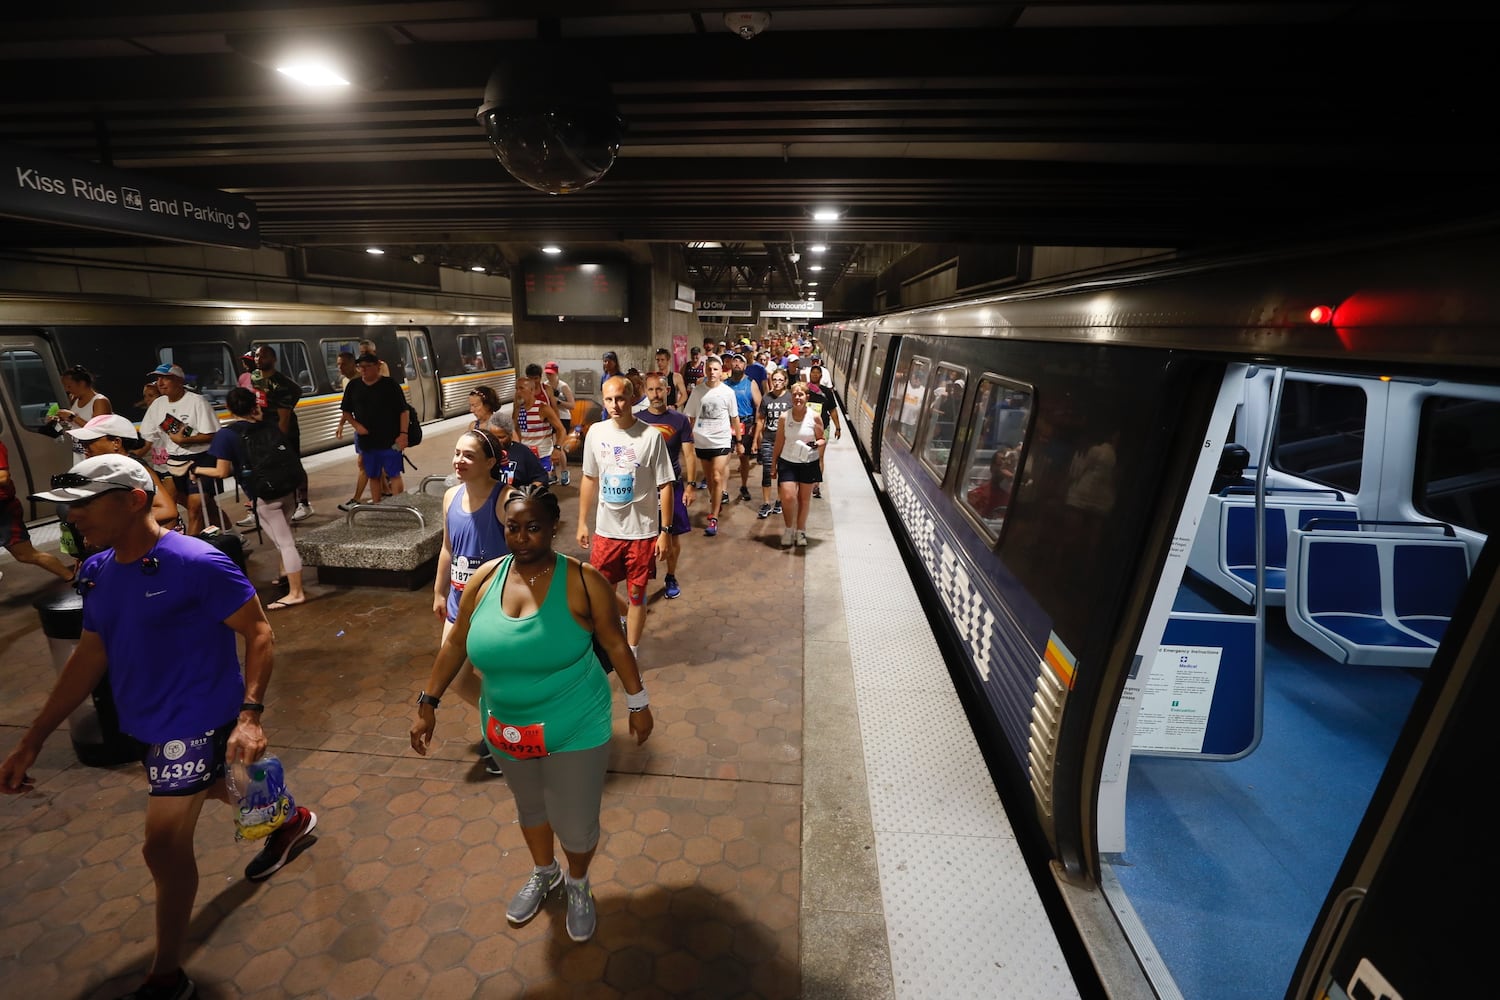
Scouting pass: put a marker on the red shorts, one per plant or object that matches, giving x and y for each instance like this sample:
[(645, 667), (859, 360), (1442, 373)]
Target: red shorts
[(630, 559)]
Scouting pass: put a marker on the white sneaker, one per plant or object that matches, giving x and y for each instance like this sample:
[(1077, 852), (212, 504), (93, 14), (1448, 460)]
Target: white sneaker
[(787, 537), (248, 521), (801, 539), (303, 511)]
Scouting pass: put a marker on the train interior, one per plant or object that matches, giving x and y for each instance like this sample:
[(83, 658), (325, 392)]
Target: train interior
[(1287, 663)]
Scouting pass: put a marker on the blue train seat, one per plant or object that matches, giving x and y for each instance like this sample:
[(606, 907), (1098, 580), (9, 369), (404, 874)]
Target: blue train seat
[(1224, 551), (1371, 596)]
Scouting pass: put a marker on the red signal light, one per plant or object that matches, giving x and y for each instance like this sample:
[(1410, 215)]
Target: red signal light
[(1320, 315)]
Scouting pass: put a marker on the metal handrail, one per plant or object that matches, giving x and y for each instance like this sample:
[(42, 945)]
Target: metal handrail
[(384, 508), (441, 480)]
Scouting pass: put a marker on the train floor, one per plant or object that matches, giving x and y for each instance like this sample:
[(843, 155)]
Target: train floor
[(781, 834)]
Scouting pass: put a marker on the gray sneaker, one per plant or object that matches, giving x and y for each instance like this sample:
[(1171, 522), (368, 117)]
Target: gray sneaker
[(581, 917), (529, 900)]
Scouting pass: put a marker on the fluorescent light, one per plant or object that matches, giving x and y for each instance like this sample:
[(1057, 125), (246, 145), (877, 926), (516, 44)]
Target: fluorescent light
[(826, 214), (374, 250), (588, 267), (551, 249), (817, 248), (477, 267), (810, 284), (310, 73), (815, 267)]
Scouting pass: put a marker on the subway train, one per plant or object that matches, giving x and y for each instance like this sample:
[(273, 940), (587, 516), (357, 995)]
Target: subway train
[(1205, 543), (439, 357)]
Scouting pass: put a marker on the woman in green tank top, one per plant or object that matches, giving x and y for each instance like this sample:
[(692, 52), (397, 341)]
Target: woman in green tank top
[(526, 621)]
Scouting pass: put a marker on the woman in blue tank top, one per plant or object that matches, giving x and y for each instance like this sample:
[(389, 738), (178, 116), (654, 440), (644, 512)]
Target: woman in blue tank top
[(472, 536)]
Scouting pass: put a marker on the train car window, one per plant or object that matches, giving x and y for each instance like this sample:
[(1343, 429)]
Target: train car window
[(1320, 433), (331, 350), (27, 383), (210, 368), (944, 402), (1458, 463), (500, 350), (424, 354), (1001, 418), (293, 362), (470, 349), (909, 399)]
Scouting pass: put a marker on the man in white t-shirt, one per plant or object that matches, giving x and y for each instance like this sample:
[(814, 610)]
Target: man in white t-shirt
[(627, 488), (180, 425), (714, 410)]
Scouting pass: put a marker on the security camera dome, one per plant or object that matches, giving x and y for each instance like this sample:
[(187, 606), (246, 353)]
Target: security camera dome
[(552, 122)]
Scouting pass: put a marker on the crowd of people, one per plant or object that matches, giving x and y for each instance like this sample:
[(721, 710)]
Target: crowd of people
[(528, 636)]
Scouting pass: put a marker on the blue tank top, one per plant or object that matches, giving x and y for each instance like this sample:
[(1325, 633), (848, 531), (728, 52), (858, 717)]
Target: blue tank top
[(744, 391), (474, 539)]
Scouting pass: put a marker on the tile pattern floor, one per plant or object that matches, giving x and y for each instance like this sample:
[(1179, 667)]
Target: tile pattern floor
[(698, 876)]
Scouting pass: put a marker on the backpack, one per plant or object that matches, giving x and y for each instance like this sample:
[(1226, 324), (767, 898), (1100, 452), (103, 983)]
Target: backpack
[(272, 469), (413, 426)]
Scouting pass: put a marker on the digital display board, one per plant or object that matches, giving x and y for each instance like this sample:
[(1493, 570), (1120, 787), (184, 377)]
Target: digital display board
[(576, 290)]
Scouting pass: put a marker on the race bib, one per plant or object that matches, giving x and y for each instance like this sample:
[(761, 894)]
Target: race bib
[(459, 572), (182, 766), (617, 488), (517, 742)]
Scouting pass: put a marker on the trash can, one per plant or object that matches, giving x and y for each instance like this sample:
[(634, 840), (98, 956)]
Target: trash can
[(94, 725)]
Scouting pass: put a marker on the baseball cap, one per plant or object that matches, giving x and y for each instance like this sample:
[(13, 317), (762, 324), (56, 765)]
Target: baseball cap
[(97, 475), (550, 366), (367, 358), (165, 369), (106, 425), (610, 356)]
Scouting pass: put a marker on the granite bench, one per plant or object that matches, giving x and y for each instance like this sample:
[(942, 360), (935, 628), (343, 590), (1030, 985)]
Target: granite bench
[(395, 543)]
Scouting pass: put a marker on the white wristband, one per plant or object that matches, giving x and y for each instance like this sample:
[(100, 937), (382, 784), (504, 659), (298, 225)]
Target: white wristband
[(639, 700)]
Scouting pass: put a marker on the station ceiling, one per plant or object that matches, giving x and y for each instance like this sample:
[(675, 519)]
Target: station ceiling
[(1170, 124)]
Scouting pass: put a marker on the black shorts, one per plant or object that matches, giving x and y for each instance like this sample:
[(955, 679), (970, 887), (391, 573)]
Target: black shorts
[(185, 484), (708, 453), (799, 472)]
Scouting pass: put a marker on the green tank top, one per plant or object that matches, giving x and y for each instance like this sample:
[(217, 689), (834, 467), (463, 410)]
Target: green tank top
[(538, 670)]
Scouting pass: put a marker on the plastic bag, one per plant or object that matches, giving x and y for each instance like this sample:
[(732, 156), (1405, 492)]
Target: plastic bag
[(263, 802)]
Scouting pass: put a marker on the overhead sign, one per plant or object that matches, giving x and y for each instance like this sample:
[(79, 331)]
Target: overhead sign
[(42, 187), (724, 307), (794, 309)]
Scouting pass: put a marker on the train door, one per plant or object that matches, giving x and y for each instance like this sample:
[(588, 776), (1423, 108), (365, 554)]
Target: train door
[(29, 385), (421, 372)]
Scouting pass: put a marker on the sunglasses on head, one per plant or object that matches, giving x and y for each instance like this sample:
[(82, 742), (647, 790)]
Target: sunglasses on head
[(70, 480)]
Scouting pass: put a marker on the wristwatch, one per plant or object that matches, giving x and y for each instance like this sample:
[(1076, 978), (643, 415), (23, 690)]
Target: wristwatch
[(252, 706), (426, 699)]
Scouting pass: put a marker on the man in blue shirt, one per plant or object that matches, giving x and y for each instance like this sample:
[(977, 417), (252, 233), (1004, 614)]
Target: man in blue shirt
[(675, 428), (747, 395), (163, 613)]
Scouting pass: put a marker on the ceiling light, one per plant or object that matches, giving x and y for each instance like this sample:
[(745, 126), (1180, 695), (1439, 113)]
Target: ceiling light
[(817, 248), (550, 249), (312, 72), (826, 214), (815, 267), (477, 267), (374, 250), (811, 284)]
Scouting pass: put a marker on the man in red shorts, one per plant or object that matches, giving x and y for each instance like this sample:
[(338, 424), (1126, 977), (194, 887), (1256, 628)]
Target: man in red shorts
[(627, 489)]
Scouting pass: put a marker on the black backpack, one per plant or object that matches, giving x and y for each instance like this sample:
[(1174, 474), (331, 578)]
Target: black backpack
[(273, 469), (413, 426)]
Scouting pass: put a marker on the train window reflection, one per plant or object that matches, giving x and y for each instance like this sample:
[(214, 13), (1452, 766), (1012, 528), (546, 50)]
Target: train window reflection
[(500, 349), (945, 400), (210, 369), (1459, 463), (471, 351), (27, 383), (908, 394), (1002, 416), (1320, 433)]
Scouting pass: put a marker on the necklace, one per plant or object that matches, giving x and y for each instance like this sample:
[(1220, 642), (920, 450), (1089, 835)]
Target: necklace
[(531, 580)]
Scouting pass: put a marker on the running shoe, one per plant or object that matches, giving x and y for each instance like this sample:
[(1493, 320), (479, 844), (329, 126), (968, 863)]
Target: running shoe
[(348, 505), (533, 894), (713, 526), (182, 989), (581, 917), (724, 497), (702, 484), (248, 521), (764, 512), (673, 589), (801, 539), (491, 765), (776, 507), (744, 494), (303, 512), (787, 537), (279, 845), (817, 492), (566, 478)]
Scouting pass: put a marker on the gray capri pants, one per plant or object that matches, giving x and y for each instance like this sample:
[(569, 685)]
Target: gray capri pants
[(563, 789)]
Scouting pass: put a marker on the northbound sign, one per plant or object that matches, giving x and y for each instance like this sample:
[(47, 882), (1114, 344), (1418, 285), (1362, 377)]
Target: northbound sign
[(41, 187), (794, 309)]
